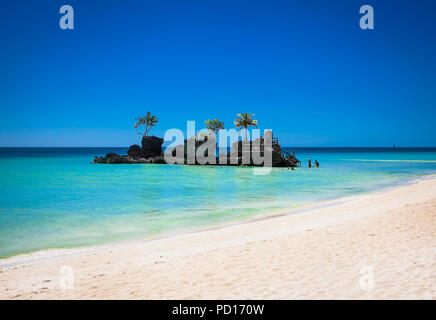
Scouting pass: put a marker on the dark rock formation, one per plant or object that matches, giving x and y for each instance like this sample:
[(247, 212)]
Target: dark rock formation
[(279, 158), (134, 151), (113, 158), (151, 152), (151, 147), (158, 160), (183, 149)]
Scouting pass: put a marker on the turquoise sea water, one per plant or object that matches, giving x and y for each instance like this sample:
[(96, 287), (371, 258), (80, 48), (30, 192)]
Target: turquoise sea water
[(55, 198)]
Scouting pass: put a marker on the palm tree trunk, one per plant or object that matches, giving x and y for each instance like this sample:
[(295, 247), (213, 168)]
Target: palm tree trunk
[(245, 133)]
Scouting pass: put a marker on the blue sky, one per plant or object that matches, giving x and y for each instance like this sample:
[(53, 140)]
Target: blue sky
[(305, 68)]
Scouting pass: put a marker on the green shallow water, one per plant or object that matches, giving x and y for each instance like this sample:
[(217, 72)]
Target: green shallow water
[(54, 198)]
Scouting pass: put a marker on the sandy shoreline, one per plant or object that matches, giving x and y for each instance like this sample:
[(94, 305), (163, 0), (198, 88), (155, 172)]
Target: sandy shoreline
[(381, 245)]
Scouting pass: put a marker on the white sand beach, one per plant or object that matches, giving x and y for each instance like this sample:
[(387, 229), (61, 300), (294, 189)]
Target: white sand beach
[(374, 246)]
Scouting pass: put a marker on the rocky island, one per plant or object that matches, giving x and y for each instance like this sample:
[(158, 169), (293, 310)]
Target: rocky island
[(151, 150)]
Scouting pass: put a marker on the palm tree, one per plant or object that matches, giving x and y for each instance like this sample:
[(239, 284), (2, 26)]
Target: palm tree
[(214, 125), (245, 120), (147, 121)]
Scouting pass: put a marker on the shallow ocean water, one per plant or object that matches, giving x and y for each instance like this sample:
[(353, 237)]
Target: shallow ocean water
[(55, 198)]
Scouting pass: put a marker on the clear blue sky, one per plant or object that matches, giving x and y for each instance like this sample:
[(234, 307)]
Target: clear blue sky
[(305, 68)]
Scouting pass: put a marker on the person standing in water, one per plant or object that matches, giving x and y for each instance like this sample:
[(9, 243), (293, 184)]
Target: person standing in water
[(316, 163), (310, 162)]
